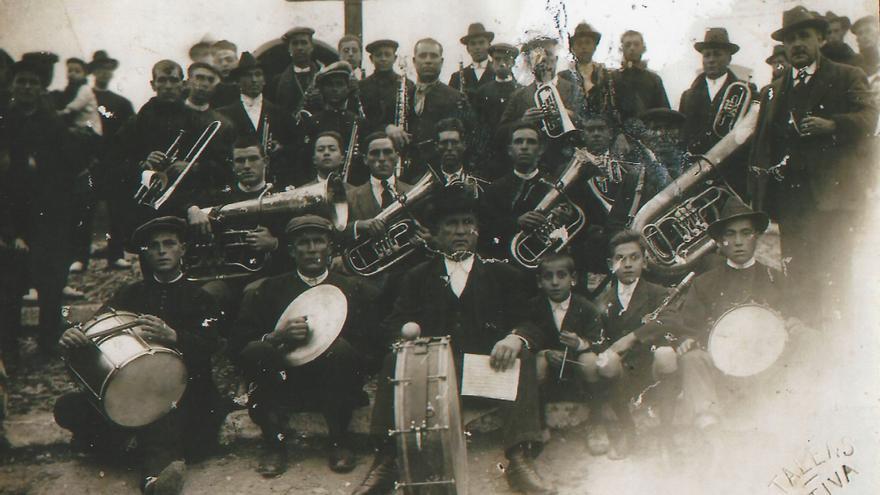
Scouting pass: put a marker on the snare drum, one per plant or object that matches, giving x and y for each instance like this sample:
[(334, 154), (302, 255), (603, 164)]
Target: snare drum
[(747, 340), (432, 454), (133, 382)]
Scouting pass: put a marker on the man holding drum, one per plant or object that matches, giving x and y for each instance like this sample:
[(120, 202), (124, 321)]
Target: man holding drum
[(316, 358), (172, 313), (480, 305)]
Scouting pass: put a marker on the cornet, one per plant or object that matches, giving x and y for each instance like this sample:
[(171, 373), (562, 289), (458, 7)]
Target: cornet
[(734, 104)]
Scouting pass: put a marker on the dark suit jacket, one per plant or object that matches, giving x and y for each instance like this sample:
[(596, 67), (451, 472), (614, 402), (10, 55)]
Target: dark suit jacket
[(637, 90), (491, 306), (441, 102), (362, 204), (700, 113), (286, 91), (502, 204), (646, 298), (471, 83), (280, 124), (379, 97), (824, 172), (582, 318)]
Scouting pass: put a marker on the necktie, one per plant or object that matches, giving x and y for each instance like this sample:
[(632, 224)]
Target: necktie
[(387, 197), (801, 76), (421, 92)]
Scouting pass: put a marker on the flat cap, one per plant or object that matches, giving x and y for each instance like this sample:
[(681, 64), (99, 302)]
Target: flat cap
[(503, 49), (374, 45), (142, 234), (298, 30), (663, 114), (310, 221), (340, 68)]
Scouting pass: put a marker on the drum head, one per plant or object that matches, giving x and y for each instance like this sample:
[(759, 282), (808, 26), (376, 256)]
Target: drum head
[(325, 307), (747, 340), (146, 388)]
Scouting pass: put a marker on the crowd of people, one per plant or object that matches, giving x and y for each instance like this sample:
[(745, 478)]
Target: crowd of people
[(316, 163)]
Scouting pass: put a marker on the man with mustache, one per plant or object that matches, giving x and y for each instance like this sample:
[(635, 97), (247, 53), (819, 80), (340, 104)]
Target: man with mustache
[(333, 382), (808, 156)]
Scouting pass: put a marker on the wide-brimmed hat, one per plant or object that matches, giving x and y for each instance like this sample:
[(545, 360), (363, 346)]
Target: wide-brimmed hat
[(375, 45), (100, 59), (832, 17), (29, 66), (716, 37), (777, 51), (340, 68), (477, 30), (453, 200), (246, 62), (141, 235), (503, 48), (868, 19), (663, 114), (799, 17), (735, 209), (585, 30), (43, 63)]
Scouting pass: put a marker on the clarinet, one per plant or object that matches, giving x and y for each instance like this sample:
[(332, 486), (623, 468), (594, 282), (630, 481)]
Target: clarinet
[(676, 292)]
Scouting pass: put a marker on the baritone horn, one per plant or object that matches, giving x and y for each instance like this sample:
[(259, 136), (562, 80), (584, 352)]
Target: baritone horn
[(734, 105), (155, 190), (564, 218), (675, 222)]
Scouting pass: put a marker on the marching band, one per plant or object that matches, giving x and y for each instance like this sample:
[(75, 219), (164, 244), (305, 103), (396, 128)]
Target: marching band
[(321, 226)]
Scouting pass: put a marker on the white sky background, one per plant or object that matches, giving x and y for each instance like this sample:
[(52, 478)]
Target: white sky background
[(140, 33)]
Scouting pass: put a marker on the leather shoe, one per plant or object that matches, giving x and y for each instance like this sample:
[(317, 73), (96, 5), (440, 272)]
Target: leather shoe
[(273, 460), (169, 482), (380, 479), (523, 477), (341, 459)]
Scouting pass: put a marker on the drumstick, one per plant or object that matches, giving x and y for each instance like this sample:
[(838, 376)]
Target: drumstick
[(116, 329), (564, 360)]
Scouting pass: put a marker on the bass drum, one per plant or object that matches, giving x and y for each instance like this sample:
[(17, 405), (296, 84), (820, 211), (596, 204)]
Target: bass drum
[(132, 382), (747, 340), (431, 447)]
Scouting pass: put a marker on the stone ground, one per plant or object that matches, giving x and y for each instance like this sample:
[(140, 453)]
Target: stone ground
[(41, 463)]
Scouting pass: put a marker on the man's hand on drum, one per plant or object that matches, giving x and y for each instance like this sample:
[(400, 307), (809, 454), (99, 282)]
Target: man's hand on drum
[(73, 338), (623, 344), (152, 328), (295, 334), (262, 240), (505, 352)]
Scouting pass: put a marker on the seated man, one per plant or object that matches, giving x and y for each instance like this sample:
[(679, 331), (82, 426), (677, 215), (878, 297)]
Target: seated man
[(174, 313), (480, 305), (261, 251), (740, 280), (625, 364), (333, 382)]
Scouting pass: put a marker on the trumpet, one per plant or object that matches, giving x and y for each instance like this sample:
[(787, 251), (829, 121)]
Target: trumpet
[(564, 218), (372, 256), (155, 190), (733, 106), (226, 254), (675, 222)]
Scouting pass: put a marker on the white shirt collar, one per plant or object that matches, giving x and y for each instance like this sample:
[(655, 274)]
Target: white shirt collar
[(301, 70), (175, 279), (453, 175), (715, 85), (503, 79), (480, 65), (457, 273), (810, 70), (741, 266), (529, 176), (251, 102), (559, 310), (560, 305), (313, 281), (625, 292), (376, 188), (199, 108), (319, 179), (258, 187), (377, 182)]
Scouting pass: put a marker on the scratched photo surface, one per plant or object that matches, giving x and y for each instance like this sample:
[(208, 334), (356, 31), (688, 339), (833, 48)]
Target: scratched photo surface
[(810, 428)]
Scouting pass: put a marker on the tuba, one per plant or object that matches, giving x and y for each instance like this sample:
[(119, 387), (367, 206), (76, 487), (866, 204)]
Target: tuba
[(155, 190), (675, 222), (226, 254), (733, 106), (371, 255), (564, 218)]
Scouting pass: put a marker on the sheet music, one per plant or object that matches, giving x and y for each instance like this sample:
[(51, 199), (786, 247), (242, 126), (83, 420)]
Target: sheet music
[(479, 379)]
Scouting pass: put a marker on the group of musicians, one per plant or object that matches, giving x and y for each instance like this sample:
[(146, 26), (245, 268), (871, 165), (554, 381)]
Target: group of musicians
[(422, 203)]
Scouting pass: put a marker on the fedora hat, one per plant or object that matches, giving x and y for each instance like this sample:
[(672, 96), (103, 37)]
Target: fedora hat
[(101, 59), (246, 62), (585, 30), (476, 30), (844, 20), (716, 37), (735, 209), (799, 17), (777, 51)]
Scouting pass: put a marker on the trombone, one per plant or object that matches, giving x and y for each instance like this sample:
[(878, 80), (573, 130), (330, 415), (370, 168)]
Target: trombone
[(154, 190)]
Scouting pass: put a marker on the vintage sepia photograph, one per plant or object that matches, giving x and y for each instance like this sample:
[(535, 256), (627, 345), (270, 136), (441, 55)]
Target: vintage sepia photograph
[(424, 247)]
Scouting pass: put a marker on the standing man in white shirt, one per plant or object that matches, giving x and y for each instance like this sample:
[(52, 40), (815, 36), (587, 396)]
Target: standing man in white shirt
[(479, 71)]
